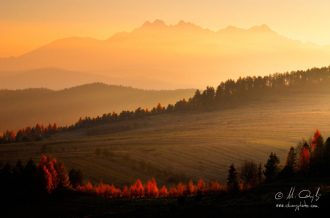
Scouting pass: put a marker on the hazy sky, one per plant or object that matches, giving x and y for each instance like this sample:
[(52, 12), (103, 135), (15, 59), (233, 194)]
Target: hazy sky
[(28, 24)]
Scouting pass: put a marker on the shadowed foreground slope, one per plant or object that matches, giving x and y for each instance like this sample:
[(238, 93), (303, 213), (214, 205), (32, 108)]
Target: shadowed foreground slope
[(181, 146)]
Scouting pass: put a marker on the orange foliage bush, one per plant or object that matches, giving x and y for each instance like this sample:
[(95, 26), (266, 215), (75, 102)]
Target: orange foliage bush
[(108, 191), (52, 174), (48, 175), (304, 159), (216, 187), (47, 181), (173, 192), (88, 188), (137, 189), (163, 192), (150, 190), (125, 192), (201, 185), (192, 188), (181, 190)]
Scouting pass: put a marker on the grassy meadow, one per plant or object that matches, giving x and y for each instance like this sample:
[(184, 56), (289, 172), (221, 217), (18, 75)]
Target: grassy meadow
[(178, 147)]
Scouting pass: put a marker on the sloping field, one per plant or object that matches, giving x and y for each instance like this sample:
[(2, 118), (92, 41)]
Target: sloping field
[(182, 146)]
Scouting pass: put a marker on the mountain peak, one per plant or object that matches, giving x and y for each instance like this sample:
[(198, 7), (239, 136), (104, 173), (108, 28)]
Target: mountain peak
[(181, 23), (187, 26), (262, 28), (231, 28), (265, 27), (156, 24), (159, 22), (147, 23)]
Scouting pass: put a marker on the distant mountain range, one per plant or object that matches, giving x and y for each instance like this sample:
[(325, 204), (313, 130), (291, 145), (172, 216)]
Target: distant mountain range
[(22, 108), (158, 56), (57, 79)]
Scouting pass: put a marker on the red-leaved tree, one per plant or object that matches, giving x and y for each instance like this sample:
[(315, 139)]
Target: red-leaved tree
[(304, 158)]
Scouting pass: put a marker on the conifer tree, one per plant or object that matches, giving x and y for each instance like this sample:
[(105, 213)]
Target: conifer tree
[(289, 165), (271, 167), (232, 178)]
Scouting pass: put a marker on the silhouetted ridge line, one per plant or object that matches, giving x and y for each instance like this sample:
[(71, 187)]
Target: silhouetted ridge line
[(228, 94)]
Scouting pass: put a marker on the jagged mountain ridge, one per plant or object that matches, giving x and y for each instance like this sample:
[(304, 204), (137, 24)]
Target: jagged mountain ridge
[(184, 55)]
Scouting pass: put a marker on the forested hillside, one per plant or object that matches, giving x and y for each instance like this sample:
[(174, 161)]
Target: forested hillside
[(96, 99), (22, 108)]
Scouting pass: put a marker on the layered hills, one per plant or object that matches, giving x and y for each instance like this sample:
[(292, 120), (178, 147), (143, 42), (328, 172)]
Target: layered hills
[(27, 107), (174, 56)]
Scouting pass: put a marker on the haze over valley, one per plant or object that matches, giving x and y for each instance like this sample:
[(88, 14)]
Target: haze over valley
[(28, 107), (160, 56), (170, 108)]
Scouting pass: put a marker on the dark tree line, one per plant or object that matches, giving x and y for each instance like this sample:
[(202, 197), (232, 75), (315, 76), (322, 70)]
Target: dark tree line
[(307, 159), (29, 134), (228, 94), (34, 180), (248, 88), (310, 158)]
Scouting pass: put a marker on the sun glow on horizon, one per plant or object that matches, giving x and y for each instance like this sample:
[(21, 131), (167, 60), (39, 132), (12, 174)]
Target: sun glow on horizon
[(27, 25)]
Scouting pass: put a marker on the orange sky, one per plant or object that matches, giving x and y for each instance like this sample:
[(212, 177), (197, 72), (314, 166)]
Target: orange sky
[(28, 24)]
